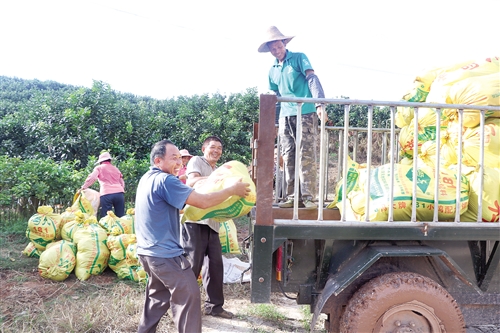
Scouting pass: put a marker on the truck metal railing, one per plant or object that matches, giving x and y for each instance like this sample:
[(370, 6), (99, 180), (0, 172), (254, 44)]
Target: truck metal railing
[(330, 132), (390, 155)]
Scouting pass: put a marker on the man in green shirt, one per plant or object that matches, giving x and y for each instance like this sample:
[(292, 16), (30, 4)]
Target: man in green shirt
[(292, 75)]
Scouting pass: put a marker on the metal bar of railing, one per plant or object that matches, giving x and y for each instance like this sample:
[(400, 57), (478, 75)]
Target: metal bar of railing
[(340, 158), (459, 165), (322, 165), (345, 154), (415, 166), (481, 168), (390, 218), (327, 154), (278, 175), (368, 163), (298, 135), (388, 103), (438, 165)]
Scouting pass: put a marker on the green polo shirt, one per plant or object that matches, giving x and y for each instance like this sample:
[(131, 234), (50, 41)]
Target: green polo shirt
[(290, 80)]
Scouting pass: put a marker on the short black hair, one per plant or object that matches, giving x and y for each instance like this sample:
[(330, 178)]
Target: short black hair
[(212, 138), (159, 150)]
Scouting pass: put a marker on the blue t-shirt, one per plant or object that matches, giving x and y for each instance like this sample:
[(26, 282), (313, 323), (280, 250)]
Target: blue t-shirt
[(289, 79), (159, 198)]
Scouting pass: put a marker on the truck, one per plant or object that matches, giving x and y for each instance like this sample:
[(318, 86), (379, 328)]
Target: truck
[(414, 275)]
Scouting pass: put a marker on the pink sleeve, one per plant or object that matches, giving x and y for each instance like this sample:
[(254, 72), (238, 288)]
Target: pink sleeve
[(91, 179)]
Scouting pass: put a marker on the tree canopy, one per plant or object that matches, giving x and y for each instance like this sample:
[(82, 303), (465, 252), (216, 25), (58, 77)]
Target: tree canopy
[(52, 133), (68, 123)]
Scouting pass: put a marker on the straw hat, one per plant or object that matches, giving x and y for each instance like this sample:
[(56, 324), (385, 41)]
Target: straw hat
[(184, 152), (273, 34), (104, 157)]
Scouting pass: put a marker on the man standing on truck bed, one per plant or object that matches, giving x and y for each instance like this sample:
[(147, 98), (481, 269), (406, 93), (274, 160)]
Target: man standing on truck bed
[(293, 76)]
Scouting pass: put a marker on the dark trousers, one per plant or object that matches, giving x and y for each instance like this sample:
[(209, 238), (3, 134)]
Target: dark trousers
[(202, 244), (116, 200), (170, 284)]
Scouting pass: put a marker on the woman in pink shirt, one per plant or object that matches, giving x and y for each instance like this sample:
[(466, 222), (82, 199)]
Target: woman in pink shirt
[(111, 184), (186, 156)]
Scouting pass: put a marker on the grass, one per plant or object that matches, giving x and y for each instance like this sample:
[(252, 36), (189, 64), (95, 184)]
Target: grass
[(101, 304), (266, 312)]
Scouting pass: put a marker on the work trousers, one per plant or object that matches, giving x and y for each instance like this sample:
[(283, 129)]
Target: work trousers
[(170, 284), (202, 244), (307, 151), (116, 200)]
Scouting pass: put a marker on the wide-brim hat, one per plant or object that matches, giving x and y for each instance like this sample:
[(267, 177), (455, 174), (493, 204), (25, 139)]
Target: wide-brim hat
[(273, 34), (184, 152), (104, 157)]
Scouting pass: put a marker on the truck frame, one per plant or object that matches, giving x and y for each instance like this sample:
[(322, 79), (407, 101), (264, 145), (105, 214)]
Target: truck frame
[(367, 276)]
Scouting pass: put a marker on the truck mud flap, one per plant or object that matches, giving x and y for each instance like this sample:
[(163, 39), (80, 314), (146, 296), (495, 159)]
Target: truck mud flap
[(354, 268)]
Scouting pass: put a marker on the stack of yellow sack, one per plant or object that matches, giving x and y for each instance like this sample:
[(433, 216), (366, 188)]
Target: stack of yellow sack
[(122, 244), (473, 82), (76, 241), (380, 203)]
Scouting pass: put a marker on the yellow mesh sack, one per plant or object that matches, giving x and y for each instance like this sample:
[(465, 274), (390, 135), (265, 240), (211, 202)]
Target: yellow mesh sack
[(69, 228), (117, 245), (233, 207), (131, 257), (229, 237), (94, 197), (474, 68), (133, 273), (57, 261), (472, 144), (426, 132), (67, 216), (117, 225), (352, 183), (423, 82), (43, 227), (107, 222), (82, 204), (403, 188), (491, 196), (127, 221), (481, 90), (92, 252), (31, 251)]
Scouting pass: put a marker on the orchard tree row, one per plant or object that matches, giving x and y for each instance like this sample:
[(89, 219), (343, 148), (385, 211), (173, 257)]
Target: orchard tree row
[(52, 133)]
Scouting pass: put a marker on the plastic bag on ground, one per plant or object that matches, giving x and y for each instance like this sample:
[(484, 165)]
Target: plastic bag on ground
[(233, 270)]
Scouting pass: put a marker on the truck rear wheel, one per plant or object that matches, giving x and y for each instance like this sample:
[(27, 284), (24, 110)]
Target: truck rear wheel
[(402, 302)]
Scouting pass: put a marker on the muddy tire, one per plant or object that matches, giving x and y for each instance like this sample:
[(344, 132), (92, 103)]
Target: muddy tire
[(402, 302)]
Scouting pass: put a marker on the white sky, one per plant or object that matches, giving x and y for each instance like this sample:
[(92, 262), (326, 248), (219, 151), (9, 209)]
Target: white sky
[(164, 48)]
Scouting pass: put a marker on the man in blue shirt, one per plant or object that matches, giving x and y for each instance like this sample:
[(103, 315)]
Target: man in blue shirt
[(292, 75), (171, 282)]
